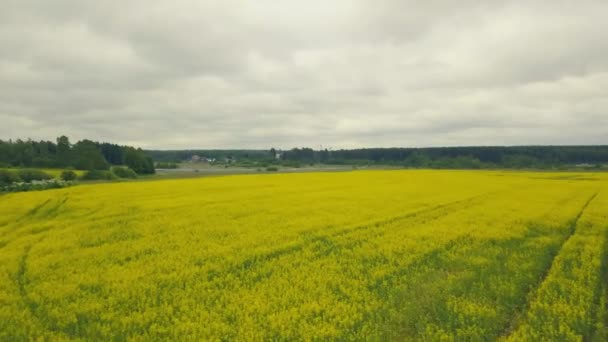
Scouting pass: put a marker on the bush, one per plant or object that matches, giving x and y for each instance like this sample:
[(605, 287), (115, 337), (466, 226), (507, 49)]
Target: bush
[(98, 175), (29, 175), (272, 168), (291, 163), (68, 175), (138, 161), (162, 165), (8, 177), (123, 172), (35, 186)]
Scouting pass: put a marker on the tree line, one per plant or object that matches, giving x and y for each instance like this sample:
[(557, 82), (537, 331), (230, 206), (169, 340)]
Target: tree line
[(475, 157), (82, 155), (176, 156), (458, 157)]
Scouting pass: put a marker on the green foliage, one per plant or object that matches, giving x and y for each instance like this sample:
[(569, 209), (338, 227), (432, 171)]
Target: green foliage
[(166, 165), (63, 150), (305, 155), (123, 172), (272, 168), (486, 157), (520, 161), (174, 156), (68, 175), (8, 177), (113, 153), (83, 155), (40, 185), (138, 161), (461, 162), (291, 163), (29, 175), (538, 157), (98, 175), (87, 156)]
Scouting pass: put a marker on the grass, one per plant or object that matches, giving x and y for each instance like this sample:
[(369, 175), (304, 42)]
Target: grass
[(55, 173)]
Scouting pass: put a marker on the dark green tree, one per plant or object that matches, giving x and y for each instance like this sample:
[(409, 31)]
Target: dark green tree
[(87, 156), (63, 151), (68, 175), (138, 161)]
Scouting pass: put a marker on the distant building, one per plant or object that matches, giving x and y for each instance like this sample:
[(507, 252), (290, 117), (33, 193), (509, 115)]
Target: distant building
[(195, 159)]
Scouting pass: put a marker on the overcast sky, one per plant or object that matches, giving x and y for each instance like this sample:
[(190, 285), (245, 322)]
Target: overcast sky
[(341, 74)]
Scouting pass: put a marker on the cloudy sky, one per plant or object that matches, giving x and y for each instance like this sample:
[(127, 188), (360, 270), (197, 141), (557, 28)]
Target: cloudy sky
[(341, 74)]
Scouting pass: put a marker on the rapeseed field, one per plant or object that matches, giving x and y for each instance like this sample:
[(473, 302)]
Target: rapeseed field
[(362, 255)]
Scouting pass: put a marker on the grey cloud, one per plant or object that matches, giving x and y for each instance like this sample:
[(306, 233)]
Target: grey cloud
[(180, 74)]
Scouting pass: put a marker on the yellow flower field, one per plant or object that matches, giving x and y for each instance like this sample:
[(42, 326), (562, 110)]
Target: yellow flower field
[(362, 255)]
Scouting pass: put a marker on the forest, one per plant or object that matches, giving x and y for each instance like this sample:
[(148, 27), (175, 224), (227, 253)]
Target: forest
[(479, 157), (82, 155), (459, 157)]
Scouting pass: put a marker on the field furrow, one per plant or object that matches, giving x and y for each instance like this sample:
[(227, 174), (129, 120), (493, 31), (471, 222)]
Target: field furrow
[(568, 303), (571, 230)]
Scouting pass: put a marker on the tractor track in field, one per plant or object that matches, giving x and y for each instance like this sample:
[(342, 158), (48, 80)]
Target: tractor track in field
[(383, 286), (519, 315), (43, 210), (326, 241), (21, 281), (601, 292)]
